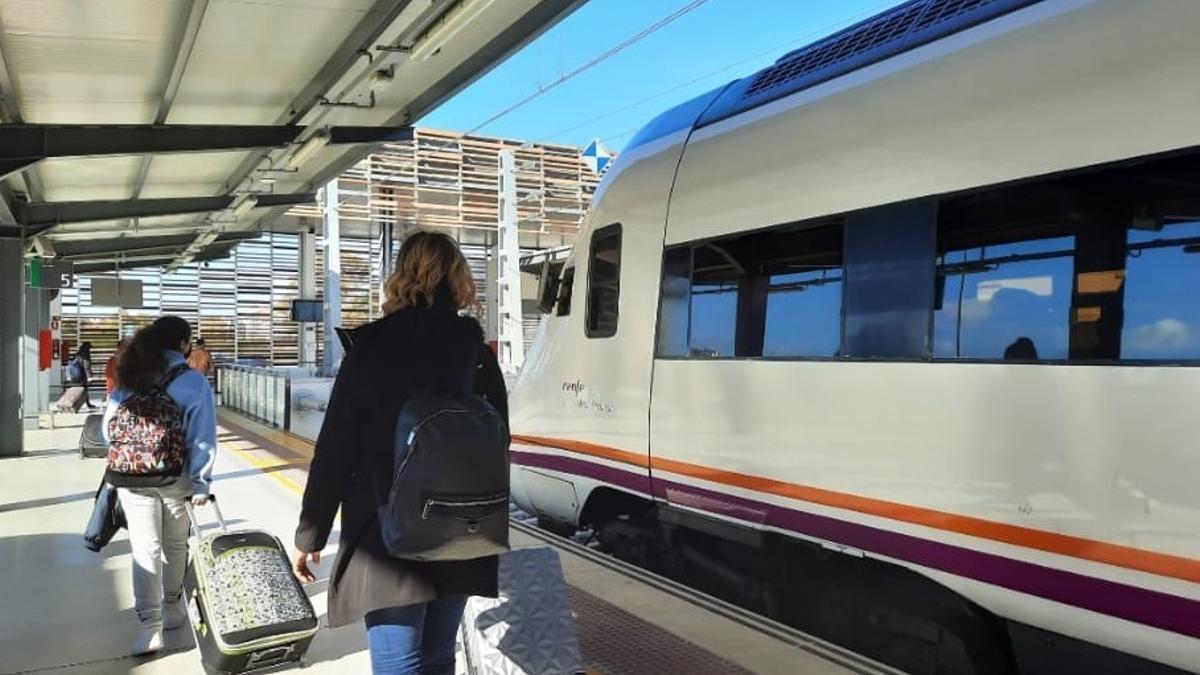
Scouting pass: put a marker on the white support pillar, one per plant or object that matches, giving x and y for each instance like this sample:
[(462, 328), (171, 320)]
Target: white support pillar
[(35, 393), (510, 335), (308, 291), (333, 279)]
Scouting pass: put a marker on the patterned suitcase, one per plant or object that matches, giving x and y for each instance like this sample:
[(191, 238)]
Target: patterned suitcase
[(247, 610), (529, 629)]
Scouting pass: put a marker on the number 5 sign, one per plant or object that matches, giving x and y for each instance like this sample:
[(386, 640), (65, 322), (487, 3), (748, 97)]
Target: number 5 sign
[(51, 273)]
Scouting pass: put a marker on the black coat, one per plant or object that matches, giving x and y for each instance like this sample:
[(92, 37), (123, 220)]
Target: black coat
[(410, 350)]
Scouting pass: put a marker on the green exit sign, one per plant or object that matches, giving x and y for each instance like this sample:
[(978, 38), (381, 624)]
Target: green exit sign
[(51, 273)]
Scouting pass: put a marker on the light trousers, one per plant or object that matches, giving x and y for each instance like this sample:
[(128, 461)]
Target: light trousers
[(158, 536)]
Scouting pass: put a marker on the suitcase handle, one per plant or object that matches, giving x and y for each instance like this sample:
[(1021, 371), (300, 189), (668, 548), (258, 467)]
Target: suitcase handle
[(195, 525)]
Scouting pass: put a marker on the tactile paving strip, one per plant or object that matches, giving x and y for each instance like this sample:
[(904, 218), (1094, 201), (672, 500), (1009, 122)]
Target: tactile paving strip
[(615, 642)]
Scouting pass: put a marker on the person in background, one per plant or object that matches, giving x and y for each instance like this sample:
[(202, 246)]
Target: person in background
[(412, 609), (157, 516), (79, 372), (200, 359), (110, 368)]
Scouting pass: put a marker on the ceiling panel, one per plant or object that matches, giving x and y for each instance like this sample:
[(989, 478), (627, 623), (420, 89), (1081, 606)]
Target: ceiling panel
[(190, 174), (65, 55), (90, 178), (119, 19), (237, 80)]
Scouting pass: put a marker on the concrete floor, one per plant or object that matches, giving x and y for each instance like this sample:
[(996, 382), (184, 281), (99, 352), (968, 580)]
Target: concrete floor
[(65, 610)]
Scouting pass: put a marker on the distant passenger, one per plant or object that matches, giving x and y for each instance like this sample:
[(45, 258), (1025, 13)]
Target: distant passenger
[(110, 368), (1022, 349), (154, 501), (200, 359), (411, 609), (79, 372)]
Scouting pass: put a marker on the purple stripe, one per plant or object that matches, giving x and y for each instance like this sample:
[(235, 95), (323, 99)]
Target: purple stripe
[(638, 482), (1152, 608)]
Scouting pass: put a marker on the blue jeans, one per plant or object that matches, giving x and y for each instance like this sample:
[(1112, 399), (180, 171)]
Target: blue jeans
[(415, 639)]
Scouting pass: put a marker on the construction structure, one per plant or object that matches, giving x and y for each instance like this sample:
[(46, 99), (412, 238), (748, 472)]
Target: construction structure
[(438, 180)]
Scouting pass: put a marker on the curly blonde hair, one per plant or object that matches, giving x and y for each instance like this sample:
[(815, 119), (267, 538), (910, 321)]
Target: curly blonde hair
[(426, 260)]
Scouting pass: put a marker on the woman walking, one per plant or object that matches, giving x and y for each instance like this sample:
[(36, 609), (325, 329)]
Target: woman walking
[(155, 510), (411, 609)]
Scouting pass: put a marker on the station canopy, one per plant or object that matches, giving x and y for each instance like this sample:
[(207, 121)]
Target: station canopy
[(162, 132)]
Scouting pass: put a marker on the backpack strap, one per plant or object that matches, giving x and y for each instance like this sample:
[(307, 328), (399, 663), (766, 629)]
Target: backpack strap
[(171, 374)]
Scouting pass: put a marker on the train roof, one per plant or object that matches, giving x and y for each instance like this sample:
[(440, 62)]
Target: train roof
[(890, 33)]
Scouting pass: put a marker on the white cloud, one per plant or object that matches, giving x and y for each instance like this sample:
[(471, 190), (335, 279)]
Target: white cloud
[(1162, 335), (1040, 286)]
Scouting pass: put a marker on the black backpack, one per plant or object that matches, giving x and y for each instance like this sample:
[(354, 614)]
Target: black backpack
[(449, 494)]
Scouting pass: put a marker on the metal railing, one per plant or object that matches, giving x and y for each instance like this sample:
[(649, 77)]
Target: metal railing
[(259, 393)]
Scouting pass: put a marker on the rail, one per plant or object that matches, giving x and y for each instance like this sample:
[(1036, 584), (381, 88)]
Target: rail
[(259, 393)]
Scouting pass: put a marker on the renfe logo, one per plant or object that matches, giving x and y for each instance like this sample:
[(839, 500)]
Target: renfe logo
[(575, 387)]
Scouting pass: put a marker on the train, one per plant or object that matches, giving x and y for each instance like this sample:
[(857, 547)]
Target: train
[(897, 340)]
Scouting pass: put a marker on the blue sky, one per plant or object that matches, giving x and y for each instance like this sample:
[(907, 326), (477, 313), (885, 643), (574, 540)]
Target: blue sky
[(721, 40)]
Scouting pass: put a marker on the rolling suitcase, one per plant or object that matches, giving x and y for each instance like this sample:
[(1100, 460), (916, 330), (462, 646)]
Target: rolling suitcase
[(247, 610), (91, 440), (71, 399), (529, 629)]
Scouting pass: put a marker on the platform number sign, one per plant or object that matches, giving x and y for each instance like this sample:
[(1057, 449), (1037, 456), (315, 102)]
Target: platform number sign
[(51, 273)]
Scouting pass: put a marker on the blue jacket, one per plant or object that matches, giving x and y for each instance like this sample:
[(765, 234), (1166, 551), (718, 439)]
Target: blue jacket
[(191, 393)]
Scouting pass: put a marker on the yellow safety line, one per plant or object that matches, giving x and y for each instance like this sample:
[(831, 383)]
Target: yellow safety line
[(261, 464)]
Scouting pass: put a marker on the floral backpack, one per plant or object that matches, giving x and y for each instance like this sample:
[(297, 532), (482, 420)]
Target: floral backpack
[(147, 444)]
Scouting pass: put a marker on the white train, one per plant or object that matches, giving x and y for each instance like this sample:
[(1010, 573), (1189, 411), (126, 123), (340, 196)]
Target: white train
[(898, 340)]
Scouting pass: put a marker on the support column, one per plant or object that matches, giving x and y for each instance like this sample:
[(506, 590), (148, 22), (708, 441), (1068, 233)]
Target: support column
[(510, 334), (35, 393), (333, 279), (308, 291), (12, 289)]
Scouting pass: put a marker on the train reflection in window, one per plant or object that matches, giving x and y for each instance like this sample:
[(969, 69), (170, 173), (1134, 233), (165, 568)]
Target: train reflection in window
[(1005, 301)]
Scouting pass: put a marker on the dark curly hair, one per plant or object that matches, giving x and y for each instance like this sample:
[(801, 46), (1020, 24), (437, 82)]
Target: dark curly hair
[(143, 360)]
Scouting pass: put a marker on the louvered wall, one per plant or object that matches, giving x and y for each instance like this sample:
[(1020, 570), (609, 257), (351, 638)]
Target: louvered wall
[(442, 180)]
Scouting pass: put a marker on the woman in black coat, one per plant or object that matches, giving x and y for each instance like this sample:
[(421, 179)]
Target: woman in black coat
[(412, 609)]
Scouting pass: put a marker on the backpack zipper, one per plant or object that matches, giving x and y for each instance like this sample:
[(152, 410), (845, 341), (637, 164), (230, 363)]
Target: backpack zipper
[(430, 503)]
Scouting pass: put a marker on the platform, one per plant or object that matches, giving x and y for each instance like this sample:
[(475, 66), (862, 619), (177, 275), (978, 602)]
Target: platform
[(69, 611)]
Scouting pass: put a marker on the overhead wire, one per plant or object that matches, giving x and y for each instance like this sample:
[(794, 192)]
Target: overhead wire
[(817, 32), (645, 32)]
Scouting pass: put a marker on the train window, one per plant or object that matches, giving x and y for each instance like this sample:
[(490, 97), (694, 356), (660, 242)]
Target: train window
[(673, 315), (716, 276), (804, 292), (776, 293), (1005, 301), (1162, 284), (564, 291), (604, 282)]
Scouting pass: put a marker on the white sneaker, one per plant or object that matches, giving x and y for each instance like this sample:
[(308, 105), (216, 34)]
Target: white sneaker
[(149, 639), (174, 615)]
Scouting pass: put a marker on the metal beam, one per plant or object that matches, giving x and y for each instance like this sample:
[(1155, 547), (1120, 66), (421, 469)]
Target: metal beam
[(30, 143), (6, 215), (40, 216), (523, 31), (167, 244), (10, 113), (130, 262), (187, 40), (125, 231), (364, 36), (370, 135)]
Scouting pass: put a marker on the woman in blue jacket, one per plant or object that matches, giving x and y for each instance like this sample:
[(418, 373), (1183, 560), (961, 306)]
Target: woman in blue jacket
[(157, 516)]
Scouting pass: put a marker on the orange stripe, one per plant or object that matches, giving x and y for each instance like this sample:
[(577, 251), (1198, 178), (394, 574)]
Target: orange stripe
[(1162, 564)]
